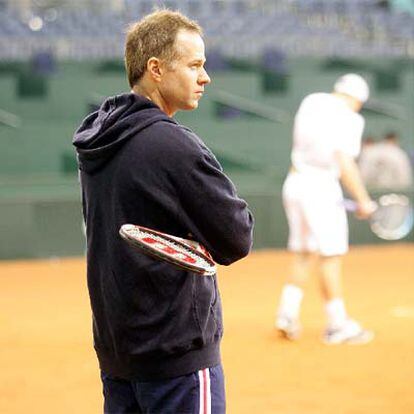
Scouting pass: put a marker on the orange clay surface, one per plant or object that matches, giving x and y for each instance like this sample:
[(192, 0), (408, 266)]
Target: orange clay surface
[(47, 364)]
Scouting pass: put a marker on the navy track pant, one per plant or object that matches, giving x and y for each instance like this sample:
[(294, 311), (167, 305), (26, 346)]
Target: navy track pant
[(201, 392)]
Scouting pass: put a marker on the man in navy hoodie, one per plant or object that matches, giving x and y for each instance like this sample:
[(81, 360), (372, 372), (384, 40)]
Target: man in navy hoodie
[(157, 329)]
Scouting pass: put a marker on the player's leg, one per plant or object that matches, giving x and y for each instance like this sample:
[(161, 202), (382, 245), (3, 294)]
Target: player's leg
[(331, 289), (287, 317), (119, 395), (330, 227), (201, 392), (301, 268), (288, 313), (340, 327)]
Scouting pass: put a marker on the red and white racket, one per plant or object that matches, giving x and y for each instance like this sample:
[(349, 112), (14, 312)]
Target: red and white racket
[(183, 253)]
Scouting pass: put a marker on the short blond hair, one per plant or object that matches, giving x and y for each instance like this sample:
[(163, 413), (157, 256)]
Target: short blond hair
[(154, 36)]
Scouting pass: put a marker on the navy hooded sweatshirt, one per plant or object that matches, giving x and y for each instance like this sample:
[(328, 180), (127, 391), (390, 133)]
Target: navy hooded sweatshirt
[(152, 320)]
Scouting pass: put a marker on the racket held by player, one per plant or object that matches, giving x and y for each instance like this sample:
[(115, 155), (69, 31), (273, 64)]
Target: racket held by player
[(183, 253), (393, 218)]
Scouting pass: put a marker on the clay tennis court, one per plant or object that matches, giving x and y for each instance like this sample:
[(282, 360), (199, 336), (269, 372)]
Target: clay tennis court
[(48, 365)]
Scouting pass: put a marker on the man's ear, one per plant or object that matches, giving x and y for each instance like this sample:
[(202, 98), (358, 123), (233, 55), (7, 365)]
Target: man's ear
[(154, 68)]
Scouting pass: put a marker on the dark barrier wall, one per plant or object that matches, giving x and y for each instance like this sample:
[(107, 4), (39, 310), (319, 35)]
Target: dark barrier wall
[(41, 228), (35, 228)]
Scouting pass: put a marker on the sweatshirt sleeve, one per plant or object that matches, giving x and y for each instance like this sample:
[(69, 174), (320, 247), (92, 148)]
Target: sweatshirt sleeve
[(209, 204)]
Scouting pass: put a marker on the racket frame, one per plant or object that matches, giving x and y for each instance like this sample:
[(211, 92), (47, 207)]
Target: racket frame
[(404, 228)]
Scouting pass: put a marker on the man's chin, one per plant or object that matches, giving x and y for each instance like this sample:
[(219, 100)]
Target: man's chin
[(191, 105)]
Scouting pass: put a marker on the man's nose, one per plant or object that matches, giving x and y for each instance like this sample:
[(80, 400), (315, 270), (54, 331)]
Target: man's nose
[(204, 78)]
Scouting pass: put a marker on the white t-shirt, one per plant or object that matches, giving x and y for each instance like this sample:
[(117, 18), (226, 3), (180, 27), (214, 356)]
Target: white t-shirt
[(324, 125)]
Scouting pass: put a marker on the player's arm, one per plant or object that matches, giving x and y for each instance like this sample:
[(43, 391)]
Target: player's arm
[(220, 220), (209, 205), (352, 181)]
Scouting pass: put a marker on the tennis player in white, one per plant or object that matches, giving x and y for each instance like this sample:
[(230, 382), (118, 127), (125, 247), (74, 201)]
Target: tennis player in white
[(326, 140)]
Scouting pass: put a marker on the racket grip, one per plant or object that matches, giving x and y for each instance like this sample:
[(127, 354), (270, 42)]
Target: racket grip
[(350, 205)]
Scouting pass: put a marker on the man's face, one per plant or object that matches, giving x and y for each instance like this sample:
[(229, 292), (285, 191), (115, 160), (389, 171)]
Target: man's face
[(182, 81)]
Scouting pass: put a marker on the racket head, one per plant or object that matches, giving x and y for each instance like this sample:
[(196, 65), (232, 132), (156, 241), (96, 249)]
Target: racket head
[(168, 248), (393, 218)]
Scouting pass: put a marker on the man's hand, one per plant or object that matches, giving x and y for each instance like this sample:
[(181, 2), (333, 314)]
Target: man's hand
[(365, 209)]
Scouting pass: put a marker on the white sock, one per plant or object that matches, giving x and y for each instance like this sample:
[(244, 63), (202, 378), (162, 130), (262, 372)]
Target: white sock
[(290, 301), (335, 312)]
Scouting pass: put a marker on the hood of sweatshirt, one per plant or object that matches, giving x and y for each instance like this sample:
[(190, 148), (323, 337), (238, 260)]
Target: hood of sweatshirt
[(103, 132)]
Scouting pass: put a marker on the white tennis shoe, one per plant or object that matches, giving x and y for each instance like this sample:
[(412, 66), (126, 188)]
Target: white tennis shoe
[(351, 332), (288, 328)]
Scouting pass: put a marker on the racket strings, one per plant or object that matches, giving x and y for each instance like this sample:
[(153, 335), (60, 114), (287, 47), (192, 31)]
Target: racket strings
[(394, 217)]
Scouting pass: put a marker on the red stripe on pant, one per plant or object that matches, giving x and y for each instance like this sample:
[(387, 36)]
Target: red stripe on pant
[(205, 391)]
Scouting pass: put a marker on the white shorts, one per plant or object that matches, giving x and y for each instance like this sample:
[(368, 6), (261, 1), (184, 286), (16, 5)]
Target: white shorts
[(316, 215)]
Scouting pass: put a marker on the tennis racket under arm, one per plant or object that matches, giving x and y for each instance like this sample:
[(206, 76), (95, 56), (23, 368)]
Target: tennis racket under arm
[(183, 253), (393, 217)]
